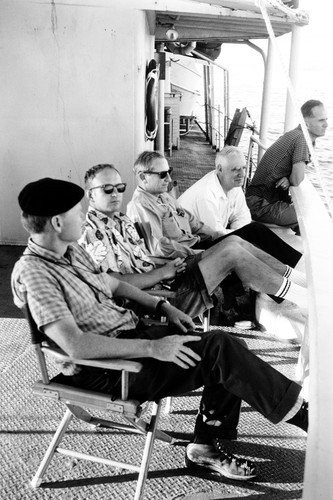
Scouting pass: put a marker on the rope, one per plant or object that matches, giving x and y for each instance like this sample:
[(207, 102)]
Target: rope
[(262, 5)]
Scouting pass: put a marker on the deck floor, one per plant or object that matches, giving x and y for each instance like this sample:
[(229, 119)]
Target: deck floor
[(27, 423)]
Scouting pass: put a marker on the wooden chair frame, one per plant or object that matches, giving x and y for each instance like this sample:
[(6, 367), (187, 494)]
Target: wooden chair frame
[(75, 399)]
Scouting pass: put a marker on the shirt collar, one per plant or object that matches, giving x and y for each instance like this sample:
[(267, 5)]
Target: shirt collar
[(218, 186), (299, 127), (45, 253), (162, 198), (110, 222)]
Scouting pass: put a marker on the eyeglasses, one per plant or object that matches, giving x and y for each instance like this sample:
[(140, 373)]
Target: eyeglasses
[(161, 174), (109, 188)]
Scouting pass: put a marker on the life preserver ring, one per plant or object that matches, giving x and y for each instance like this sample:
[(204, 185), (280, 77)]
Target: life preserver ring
[(151, 97)]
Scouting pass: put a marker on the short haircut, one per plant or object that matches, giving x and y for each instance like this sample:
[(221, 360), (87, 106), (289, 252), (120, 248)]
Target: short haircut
[(308, 106), (225, 152), (145, 160), (93, 171), (34, 223)]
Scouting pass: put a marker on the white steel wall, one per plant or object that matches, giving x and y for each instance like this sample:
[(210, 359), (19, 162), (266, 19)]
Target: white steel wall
[(71, 92)]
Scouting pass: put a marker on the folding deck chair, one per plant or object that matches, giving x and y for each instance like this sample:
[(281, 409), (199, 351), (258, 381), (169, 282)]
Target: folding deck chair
[(79, 401)]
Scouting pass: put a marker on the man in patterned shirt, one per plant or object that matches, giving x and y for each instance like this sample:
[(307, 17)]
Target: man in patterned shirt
[(72, 302), (113, 242), (283, 165)]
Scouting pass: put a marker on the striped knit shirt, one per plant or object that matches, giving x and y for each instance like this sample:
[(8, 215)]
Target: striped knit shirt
[(276, 163)]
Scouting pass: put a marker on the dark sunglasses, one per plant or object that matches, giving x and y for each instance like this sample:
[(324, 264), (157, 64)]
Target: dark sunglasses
[(109, 188), (161, 174)]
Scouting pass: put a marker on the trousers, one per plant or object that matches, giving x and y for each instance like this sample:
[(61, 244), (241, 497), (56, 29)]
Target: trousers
[(279, 212), (228, 373), (265, 239)]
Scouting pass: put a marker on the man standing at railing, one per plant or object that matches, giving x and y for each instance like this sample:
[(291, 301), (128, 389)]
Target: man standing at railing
[(283, 165)]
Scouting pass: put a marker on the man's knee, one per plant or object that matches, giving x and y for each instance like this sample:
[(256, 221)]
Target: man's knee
[(230, 245), (221, 338)]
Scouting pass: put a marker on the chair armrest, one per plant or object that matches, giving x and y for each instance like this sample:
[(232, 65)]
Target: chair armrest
[(109, 364)]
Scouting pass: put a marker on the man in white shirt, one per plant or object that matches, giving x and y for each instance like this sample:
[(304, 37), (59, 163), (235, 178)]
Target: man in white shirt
[(218, 199)]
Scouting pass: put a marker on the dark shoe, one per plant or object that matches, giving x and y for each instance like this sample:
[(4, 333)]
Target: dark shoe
[(301, 419), (215, 458)]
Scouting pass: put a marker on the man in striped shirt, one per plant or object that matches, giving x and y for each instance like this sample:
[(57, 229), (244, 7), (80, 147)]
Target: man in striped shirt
[(283, 165)]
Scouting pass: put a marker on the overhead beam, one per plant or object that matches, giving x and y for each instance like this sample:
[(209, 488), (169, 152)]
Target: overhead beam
[(224, 34)]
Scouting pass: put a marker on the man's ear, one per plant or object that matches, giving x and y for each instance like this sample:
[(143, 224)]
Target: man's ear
[(142, 176), (55, 222)]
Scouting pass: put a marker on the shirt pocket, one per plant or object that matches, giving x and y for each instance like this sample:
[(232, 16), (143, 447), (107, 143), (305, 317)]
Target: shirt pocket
[(170, 228)]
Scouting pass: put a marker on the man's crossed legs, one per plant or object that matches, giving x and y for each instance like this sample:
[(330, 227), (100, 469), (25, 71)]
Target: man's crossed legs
[(254, 267), (229, 373)]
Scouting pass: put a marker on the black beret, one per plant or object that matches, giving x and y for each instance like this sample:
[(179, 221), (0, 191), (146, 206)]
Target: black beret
[(47, 197)]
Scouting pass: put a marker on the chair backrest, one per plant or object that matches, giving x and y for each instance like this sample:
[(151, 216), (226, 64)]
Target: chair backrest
[(37, 337), (144, 231)]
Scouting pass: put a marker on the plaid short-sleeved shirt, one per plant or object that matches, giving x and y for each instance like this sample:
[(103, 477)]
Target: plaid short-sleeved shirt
[(276, 163), (68, 286)]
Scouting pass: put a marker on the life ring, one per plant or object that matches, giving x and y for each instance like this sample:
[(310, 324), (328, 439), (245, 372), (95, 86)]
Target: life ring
[(151, 97)]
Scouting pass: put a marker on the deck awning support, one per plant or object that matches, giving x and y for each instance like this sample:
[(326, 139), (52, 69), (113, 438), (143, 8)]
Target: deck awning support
[(290, 113), (266, 96)]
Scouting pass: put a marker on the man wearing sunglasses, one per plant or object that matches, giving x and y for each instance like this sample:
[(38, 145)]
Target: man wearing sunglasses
[(72, 302), (171, 231), (113, 242)]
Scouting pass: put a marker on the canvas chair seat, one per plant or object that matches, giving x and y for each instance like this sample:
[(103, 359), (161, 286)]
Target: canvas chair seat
[(79, 402)]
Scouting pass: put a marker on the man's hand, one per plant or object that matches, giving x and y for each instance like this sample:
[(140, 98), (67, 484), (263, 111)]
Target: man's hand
[(179, 318), (283, 183), (173, 267), (173, 349)]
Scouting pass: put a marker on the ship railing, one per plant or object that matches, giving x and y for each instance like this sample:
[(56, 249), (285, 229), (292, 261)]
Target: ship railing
[(317, 236)]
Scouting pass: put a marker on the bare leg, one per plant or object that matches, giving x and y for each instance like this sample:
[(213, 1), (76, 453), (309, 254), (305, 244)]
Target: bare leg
[(269, 260), (227, 256)]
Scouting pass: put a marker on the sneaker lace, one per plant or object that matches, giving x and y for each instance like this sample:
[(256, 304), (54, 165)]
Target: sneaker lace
[(240, 462)]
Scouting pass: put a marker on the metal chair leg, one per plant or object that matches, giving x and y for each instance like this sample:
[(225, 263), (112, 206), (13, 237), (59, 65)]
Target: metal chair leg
[(148, 450), (38, 477)]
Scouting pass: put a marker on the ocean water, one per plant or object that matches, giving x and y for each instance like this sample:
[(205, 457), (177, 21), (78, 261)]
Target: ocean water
[(314, 81)]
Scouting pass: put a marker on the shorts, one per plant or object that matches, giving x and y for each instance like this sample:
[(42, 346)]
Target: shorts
[(191, 293)]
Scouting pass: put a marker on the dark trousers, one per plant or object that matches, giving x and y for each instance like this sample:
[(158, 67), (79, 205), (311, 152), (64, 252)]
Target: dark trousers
[(262, 237), (228, 371)]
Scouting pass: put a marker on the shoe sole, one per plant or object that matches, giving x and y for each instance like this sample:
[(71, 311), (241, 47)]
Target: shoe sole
[(212, 468)]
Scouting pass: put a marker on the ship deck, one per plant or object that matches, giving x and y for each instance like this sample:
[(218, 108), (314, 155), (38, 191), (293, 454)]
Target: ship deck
[(27, 423)]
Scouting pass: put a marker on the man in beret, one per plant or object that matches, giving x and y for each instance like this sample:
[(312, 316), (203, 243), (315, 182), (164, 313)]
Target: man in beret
[(72, 302)]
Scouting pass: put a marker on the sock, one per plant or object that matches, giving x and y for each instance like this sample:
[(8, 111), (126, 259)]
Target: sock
[(295, 409), (301, 418), (294, 293), (295, 276)]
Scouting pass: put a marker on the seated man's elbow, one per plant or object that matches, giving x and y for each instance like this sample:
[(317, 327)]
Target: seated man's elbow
[(74, 350), (67, 336), (296, 181)]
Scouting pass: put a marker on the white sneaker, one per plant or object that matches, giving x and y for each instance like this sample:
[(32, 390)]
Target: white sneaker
[(219, 460)]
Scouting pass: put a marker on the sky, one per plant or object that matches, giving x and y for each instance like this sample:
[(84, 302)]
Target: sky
[(315, 66)]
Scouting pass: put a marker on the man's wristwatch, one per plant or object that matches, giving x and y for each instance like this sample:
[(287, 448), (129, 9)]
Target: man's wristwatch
[(159, 305)]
